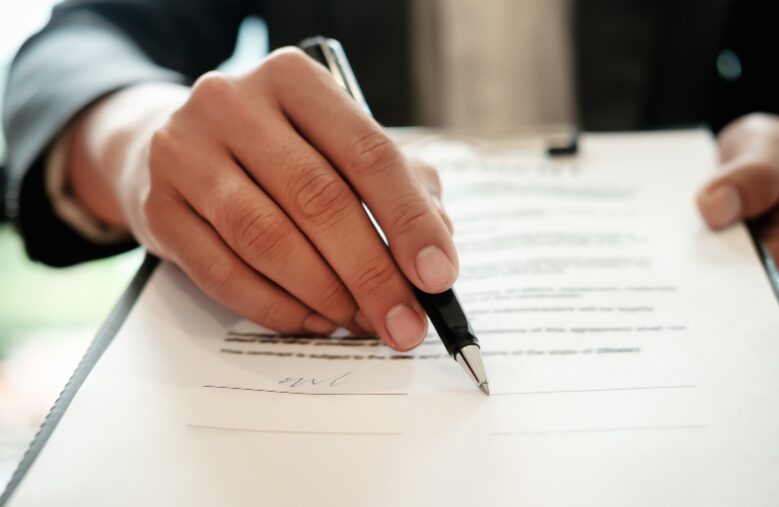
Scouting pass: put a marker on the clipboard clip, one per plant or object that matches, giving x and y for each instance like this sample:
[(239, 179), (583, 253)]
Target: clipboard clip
[(567, 147)]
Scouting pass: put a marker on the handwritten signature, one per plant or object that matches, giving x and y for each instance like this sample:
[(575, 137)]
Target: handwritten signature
[(326, 382)]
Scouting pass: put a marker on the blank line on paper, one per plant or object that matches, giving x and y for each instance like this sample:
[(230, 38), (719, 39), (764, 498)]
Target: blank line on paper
[(597, 430), (298, 432), (606, 389)]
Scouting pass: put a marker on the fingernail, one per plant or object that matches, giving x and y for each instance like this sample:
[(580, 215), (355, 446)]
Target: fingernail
[(721, 206), (317, 324), (363, 322), (405, 326), (435, 269)]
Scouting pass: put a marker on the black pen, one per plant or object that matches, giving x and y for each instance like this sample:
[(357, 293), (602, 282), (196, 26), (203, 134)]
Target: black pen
[(444, 310)]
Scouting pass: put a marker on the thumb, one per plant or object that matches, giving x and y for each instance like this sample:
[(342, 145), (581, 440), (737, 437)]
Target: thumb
[(747, 189)]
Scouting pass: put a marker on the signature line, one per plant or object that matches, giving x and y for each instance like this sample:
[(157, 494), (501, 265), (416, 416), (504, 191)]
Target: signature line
[(297, 432), (642, 388), (302, 392), (599, 430)]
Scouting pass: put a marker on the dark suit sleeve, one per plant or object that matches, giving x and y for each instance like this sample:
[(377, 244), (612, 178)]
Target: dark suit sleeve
[(88, 49)]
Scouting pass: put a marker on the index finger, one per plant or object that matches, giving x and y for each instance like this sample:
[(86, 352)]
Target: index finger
[(378, 171)]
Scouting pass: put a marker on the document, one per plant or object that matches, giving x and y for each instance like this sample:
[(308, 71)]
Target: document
[(633, 359)]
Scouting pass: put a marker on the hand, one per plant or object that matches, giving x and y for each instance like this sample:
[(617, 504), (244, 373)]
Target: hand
[(253, 185), (749, 185)]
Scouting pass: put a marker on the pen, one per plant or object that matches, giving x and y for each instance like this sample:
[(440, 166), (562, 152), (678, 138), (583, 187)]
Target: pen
[(444, 309)]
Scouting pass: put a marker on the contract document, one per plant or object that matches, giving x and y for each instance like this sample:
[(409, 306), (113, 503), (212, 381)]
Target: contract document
[(633, 359)]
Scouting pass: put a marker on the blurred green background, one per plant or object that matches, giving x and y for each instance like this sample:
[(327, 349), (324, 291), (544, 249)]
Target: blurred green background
[(37, 299)]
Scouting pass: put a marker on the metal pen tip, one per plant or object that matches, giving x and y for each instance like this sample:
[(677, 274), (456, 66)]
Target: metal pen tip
[(470, 359)]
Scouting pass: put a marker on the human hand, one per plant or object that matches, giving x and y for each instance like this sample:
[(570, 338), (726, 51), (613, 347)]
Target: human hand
[(749, 185), (253, 186)]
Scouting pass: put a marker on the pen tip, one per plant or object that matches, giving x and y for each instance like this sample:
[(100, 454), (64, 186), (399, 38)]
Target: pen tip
[(485, 388)]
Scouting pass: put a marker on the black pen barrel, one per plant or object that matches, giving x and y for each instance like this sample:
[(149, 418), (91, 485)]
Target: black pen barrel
[(448, 319)]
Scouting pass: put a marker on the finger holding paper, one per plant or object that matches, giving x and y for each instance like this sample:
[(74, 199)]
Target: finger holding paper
[(749, 185)]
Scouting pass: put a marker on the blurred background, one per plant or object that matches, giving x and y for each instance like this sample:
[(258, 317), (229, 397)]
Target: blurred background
[(48, 316)]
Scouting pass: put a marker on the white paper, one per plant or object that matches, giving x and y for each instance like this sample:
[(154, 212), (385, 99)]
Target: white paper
[(633, 358)]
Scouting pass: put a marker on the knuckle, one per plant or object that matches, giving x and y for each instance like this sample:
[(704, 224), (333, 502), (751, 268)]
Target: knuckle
[(371, 153), (447, 221), (213, 90), (374, 277), (261, 233), (155, 206), (222, 188), (333, 295), (409, 215), (425, 169), (162, 150), (212, 84), (285, 60), (435, 179), (228, 200), (432, 184), (271, 313), (432, 173), (218, 276), (755, 126), (321, 197), (757, 120)]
